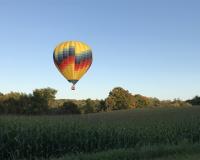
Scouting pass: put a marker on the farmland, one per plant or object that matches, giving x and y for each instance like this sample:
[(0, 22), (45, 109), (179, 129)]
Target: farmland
[(141, 133)]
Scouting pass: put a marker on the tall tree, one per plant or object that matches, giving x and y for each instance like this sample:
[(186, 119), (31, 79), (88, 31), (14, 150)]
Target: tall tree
[(70, 107), (194, 101), (42, 99), (119, 99), (89, 106)]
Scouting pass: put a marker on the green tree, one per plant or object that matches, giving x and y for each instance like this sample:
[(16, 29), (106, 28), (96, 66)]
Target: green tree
[(70, 107), (194, 101), (119, 99), (153, 102), (142, 101), (101, 106), (11, 103), (45, 93), (89, 107), (42, 99)]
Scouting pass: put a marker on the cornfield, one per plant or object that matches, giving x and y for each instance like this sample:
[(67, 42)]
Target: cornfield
[(26, 137)]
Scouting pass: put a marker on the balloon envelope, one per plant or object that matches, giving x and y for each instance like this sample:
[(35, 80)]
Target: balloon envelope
[(73, 59)]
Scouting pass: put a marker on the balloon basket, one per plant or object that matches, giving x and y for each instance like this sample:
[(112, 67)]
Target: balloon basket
[(73, 87)]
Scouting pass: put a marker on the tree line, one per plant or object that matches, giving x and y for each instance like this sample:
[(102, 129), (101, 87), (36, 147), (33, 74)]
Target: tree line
[(42, 101)]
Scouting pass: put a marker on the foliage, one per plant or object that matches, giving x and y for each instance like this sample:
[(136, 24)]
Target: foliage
[(13, 102), (42, 98), (194, 101), (20, 103), (141, 101), (44, 95), (69, 107), (89, 106), (119, 99), (101, 106), (174, 103), (42, 101)]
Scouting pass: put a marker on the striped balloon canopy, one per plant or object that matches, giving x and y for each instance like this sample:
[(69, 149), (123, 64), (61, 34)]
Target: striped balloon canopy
[(73, 59)]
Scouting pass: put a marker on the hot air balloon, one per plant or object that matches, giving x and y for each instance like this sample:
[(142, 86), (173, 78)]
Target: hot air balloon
[(72, 59)]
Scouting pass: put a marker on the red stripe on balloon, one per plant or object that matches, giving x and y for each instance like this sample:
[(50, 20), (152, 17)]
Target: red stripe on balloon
[(67, 61), (77, 67), (83, 64)]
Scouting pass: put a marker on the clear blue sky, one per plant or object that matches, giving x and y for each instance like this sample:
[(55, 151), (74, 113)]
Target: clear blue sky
[(148, 47)]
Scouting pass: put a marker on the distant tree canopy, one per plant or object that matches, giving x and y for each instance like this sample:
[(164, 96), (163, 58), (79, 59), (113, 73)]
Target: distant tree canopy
[(13, 102), (194, 101), (42, 101), (141, 101), (119, 99), (45, 93), (20, 103), (101, 106), (69, 107), (89, 106)]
